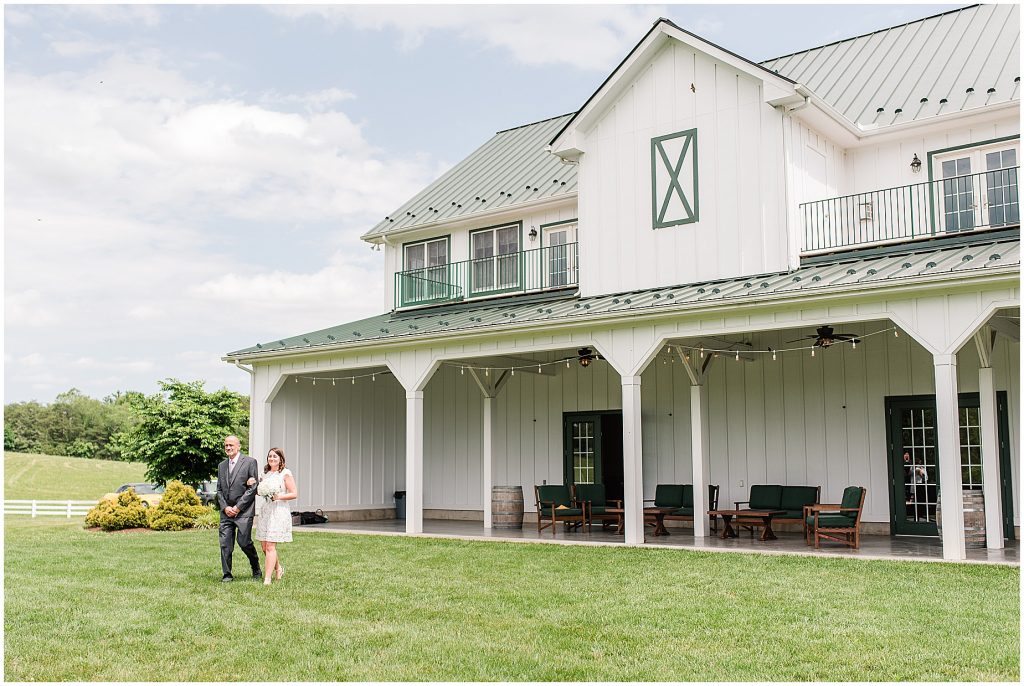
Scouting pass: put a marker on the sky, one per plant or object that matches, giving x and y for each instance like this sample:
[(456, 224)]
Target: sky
[(186, 180)]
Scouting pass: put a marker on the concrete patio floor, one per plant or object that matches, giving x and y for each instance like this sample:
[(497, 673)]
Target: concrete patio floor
[(915, 548)]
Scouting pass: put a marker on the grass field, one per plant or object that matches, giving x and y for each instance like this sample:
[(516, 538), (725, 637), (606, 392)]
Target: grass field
[(50, 477), (149, 606)]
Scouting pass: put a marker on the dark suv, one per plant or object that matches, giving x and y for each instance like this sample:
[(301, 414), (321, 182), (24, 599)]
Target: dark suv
[(207, 492)]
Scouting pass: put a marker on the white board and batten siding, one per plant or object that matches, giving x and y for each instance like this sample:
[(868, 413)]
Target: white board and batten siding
[(797, 420), (741, 189)]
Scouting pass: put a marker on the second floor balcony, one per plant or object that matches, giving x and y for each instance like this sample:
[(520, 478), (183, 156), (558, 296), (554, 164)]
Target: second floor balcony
[(972, 202), (551, 267)]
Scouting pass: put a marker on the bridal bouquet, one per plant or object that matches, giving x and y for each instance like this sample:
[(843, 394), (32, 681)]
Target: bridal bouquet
[(268, 490)]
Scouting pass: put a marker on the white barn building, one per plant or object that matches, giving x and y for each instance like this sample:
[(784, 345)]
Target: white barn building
[(689, 231)]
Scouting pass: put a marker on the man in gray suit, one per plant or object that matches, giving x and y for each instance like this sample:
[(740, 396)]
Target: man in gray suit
[(236, 494)]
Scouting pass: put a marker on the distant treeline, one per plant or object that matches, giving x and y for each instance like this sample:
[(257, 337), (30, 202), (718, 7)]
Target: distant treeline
[(109, 429)]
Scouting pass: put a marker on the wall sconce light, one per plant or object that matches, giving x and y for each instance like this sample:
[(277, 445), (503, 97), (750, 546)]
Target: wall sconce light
[(533, 233), (915, 164)]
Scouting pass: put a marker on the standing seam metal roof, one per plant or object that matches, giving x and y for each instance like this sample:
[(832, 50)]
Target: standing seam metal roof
[(546, 307), (511, 168), (958, 60)]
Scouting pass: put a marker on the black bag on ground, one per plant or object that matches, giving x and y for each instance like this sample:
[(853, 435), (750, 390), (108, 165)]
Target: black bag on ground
[(312, 517)]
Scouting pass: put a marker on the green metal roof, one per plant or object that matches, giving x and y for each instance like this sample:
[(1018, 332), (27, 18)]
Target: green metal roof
[(510, 169), (958, 60), (527, 310)]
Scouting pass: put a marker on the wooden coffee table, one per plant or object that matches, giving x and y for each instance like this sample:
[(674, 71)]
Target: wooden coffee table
[(658, 515), (619, 512), (761, 518)]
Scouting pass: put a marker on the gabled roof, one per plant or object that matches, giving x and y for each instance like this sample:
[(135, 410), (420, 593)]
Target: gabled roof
[(959, 60), (916, 263), (510, 169), (663, 30)]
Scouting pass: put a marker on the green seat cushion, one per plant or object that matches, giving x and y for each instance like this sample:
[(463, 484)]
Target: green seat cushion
[(688, 495), (567, 512), (791, 514), (598, 509), (683, 511), (795, 497), (668, 495), (556, 493), (851, 497), (831, 520), (765, 497), (593, 493)]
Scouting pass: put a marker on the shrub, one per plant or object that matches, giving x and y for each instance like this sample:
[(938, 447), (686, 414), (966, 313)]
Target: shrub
[(179, 509), (209, 519), (126, 512)]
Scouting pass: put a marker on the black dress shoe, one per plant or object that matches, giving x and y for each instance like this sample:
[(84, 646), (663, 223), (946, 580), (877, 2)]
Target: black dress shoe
[(257, 575), (226, 578)]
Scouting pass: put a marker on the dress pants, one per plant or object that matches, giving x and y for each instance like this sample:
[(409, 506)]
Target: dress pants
[(228, 527)]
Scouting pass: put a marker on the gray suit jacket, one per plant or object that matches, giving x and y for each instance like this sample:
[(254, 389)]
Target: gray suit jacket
[(231, 488)]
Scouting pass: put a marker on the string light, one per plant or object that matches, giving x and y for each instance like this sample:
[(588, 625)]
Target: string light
[(334, 382), (773, 356), (896, 332), (702, 352), (353, 381), (854, 342), (737, 355), (812, 352)]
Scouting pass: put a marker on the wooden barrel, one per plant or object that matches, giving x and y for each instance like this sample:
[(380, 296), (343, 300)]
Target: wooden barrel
[(974, 518), (507, 507)]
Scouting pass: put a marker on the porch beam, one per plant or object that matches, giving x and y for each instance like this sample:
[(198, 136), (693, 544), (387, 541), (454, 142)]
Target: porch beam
[(414, 462), (632, 461), (947, 434)]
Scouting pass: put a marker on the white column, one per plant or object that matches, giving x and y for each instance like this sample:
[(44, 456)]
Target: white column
[(632, 461), (947, 435), (990, 459), (488, 458), (701, 457), (414, 462)]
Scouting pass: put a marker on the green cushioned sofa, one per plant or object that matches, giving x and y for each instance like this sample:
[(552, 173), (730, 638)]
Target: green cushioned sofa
[(789, 499)]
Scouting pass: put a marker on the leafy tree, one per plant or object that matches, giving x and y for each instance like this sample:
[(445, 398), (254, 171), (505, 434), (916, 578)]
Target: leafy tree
[(179, 433)]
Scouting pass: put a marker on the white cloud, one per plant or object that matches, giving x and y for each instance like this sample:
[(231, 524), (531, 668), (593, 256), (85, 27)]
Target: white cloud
[(591, 37), (127, 189), (147, 15)]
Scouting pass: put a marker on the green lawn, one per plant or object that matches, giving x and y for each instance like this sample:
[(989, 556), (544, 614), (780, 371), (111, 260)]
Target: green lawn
[(51, 477), (149, 606)]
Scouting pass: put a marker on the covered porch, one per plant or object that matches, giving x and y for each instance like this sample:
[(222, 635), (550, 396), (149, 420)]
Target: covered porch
[(873, 547)]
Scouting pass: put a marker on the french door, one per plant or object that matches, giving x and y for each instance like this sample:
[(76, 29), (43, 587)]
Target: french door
[(426, 275), (495, 263), (560, 260), (593, 450), (914, 460), (979, 188)]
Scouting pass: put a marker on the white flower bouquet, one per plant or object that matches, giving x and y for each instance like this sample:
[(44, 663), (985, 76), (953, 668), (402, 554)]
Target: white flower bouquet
[(268, 490)]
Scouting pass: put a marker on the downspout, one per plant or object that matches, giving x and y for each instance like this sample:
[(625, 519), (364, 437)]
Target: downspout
[(252, 394), (792, 217)]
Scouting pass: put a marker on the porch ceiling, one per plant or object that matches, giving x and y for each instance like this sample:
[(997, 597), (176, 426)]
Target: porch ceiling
[(999, 256)]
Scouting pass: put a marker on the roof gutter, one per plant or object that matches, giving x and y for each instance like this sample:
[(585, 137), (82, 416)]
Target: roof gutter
[(916, 284)]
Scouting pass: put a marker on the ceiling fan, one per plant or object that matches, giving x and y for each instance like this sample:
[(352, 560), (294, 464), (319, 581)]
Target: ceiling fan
[(826, 337)]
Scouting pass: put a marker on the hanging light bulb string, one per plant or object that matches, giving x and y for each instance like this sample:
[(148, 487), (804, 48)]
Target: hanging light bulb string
[(539, 366)]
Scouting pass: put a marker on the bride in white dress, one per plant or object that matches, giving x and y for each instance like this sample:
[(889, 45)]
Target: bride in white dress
[(274, 524)]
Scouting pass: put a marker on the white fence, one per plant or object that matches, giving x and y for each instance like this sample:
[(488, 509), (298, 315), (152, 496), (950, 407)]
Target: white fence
[(42, 508)]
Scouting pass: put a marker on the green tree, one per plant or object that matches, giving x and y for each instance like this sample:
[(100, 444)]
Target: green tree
[(179, 433)]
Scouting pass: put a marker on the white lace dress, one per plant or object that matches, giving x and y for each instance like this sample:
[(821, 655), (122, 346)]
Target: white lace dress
[(274, 522)]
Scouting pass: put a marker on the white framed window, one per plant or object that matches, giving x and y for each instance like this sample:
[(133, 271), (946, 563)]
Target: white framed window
[(426, 273), (977, 187), (495, 253)]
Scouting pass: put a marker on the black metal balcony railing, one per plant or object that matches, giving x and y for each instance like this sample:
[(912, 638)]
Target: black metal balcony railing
[(555, 266), (961, 203)]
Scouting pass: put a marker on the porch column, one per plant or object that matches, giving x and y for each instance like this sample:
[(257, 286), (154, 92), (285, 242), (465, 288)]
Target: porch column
[(990, 476), (414, 462), (488, 458), (701, 458), (632, 461), (947, 438)]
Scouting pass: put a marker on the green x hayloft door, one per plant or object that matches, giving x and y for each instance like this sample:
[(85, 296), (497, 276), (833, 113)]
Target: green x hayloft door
[(674, 191)]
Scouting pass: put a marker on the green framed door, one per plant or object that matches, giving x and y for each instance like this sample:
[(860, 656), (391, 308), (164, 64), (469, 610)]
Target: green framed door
[(914, 460), (593, 450)]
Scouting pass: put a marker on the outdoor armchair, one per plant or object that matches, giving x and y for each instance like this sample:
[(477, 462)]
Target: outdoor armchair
[(593, 498), (839, 523), (554, 505)]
